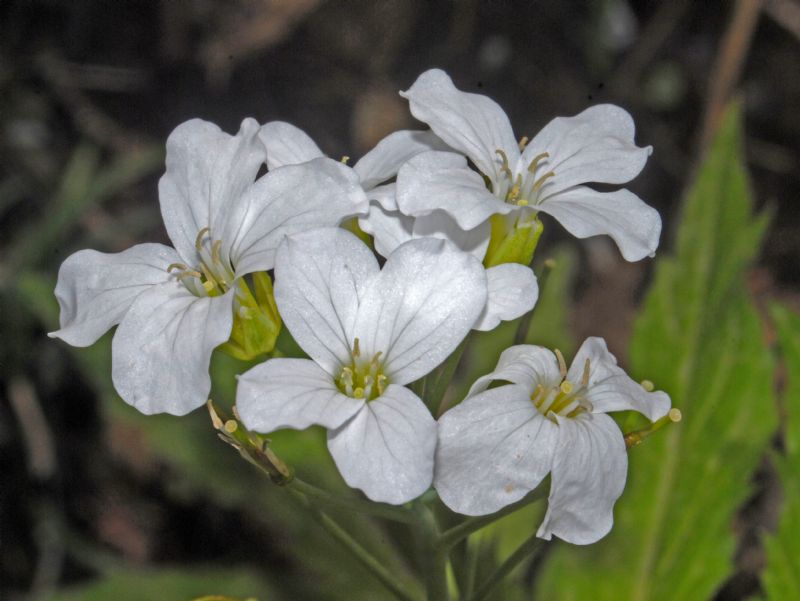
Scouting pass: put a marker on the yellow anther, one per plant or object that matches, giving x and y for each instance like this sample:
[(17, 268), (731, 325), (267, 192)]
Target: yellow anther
[(675, 415), (344, 160), (381, 382), (522, 202), (376, 358), (198, 242), (549, 263), (647, 385), (523, 143), (536, 395), (586, 369), (356, 348), (208, 285), (566, 387), (541, 181), (358, 393), (562, 365), (231, 426), (190, 273), (536, 160), (215, 251), (180, 266)]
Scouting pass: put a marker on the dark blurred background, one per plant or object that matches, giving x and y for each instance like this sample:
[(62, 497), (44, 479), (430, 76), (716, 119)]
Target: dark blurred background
[(89, 91)]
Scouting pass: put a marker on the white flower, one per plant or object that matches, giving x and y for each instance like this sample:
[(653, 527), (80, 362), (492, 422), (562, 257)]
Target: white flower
[(174, 306), (594, 146), (512, 288), (368, 331), (499, 443)]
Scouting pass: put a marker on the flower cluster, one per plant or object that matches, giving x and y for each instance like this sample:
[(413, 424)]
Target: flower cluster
[(379, 272)]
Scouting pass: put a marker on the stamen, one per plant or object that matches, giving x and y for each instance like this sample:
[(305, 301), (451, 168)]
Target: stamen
[(358, 393), (356, 348), (190, 273), (344, 160), (504, 167), (180, 266), (675, 415), (566, 387), (198, 242), (585, 377), (562, 365), (648, 385), (215, 251), (535, 162), (523, 143), (541, 181), (381, 383), (522, 202)]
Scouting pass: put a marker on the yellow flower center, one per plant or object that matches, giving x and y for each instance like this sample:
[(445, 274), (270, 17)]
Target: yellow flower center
[(363, 378), (567, 399), (213, 275), (523, 189)]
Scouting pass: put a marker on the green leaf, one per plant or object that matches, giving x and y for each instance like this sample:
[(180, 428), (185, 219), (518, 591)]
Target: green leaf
[(781, 577), (700, 339), (171, 584)]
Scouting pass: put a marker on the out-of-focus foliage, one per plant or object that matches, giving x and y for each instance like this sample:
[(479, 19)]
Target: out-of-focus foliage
[(700, 339), (781, 577), (172, 584)]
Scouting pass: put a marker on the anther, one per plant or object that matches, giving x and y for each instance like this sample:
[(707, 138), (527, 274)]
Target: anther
[(198, 242), (504, 167), (381, 383), (647, 385), (522, 202), (585, 377), (562, 365), (541, 181), (356, 348), (344, 160), (231, 426), (534, 164), (358, 393), (180, 266), (215, 251), (190, 273), (523, 143), (566, 387), (675, 415)]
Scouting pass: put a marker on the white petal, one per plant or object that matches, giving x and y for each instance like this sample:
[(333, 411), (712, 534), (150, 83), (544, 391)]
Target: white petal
[(382, 162), (588, 476), (207, 169), (494, 448), (610, 388), (387, 449), (634, 226), (320, 277), (439, 225), (471, 123), (524, 364), (513, 291), (594, 146), (421, 307), (441, 180), (389, 229), (95, 289), (287, 144), (288, 200), (291, 393), (162, 348), (385, 195)]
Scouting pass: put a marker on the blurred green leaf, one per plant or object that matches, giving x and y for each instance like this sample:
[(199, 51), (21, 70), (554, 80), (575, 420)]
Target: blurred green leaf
[(781, 577), (549, 326), (700, 339), (171, 585)]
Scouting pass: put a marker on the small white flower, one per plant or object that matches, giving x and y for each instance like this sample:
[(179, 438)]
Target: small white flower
[(594, 146), (369, 331), (499, 444), (175, 305)]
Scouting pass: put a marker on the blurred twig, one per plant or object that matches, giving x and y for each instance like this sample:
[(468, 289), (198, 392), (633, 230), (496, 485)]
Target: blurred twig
[(35, 432), (786, 13), (728, 65)]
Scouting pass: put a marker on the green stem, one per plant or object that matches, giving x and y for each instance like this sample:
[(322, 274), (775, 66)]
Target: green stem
[(381, 510), (523, 329), (436, 575), (366, 559), (471, 560), (530, 547), (454, 535)]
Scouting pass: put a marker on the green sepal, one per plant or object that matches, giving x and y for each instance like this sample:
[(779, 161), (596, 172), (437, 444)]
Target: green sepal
[(256, 321), (513, 243)]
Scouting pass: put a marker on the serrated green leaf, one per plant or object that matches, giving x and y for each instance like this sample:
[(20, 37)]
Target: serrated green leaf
[(171, 584), (781, 576), (699, 338)]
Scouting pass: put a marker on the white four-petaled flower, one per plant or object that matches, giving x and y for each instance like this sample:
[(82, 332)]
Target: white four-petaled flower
[(547, 175), (500, 443), (369, 331), (175, 305)]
